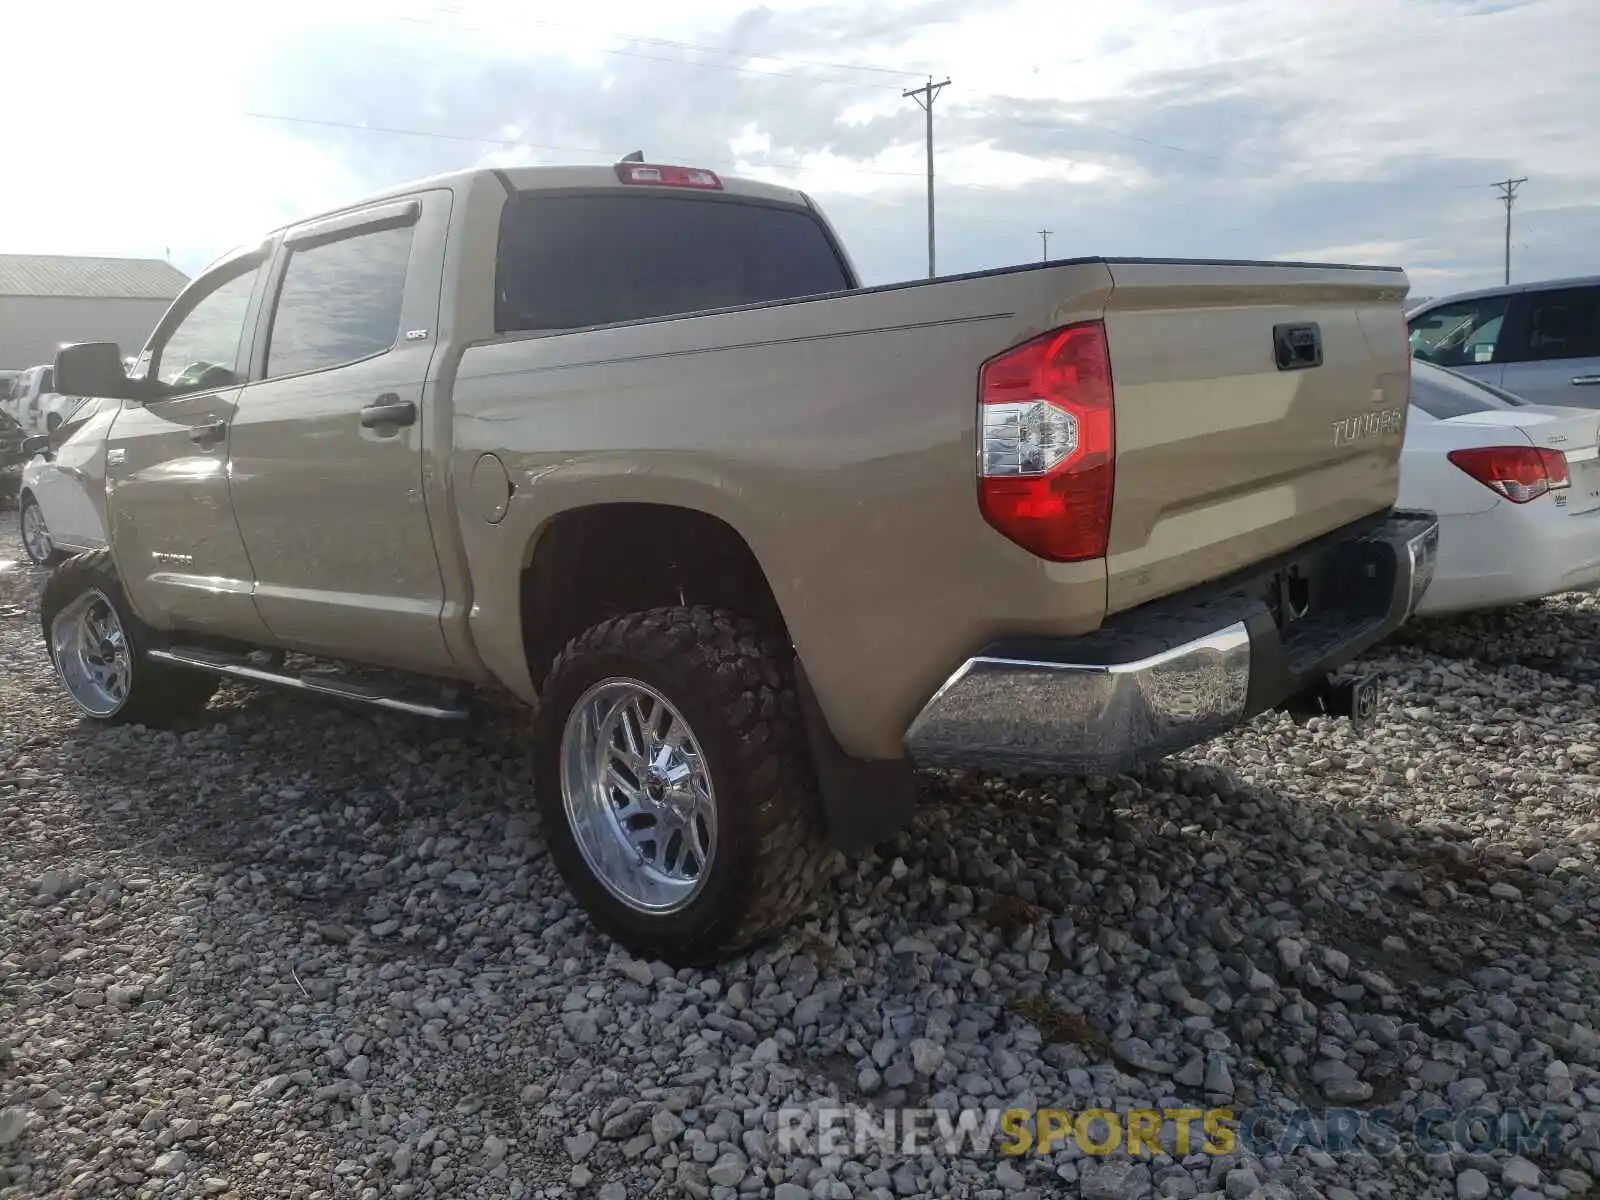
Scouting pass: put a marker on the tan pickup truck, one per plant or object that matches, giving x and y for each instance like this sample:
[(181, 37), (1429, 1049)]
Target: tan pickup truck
[(633, 444)]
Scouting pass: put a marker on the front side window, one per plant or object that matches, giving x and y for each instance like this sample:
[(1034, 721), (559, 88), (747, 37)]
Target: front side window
[(340, 302), (1564, 324), (1460, 335), (203, 350)]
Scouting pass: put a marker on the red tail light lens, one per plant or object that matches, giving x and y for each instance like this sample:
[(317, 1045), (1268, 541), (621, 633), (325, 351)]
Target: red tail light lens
[(659, 176), (1519, 473), (1045, 472)]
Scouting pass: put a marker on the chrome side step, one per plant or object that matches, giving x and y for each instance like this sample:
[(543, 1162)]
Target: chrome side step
[(238, 667)]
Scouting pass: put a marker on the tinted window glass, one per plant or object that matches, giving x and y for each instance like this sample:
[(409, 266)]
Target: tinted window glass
[(1564, 324), (203, 350), (1442, 395), (570, 261), (1460, 335), (47, 381), (340, 301)]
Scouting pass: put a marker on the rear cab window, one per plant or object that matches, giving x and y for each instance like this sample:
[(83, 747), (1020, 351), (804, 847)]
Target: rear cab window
[(570, 260)]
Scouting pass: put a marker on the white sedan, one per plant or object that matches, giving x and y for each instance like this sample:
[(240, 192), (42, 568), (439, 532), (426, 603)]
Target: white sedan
[(1516, 487), (60, 501)]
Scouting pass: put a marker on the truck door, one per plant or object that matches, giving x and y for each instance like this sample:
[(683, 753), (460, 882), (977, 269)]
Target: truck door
[(177, 548), (327, 447)]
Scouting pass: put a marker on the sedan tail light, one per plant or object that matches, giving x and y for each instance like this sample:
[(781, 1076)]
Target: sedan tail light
[(1046, 459), (1519, 473)]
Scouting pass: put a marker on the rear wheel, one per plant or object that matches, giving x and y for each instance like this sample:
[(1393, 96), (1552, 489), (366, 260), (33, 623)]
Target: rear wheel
[(99, 648), (36, 540), (674, 783)]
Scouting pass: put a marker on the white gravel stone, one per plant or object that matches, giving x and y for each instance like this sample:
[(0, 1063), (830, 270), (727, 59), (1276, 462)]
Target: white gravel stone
[(926, 1056), (13, 1121), (1519, 1172)]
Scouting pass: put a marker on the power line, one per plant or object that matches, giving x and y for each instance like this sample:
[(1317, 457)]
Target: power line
[(925, 96), (704, 49), (518, 143), (1508, 193), (1065, 123), (1059, 125), (682, 62), (1044, 236)]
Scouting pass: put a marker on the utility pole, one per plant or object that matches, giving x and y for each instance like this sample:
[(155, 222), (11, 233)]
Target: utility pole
[(1044, 235), (1508, 193), (924, 96)]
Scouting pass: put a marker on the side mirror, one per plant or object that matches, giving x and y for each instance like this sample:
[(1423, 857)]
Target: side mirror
[(39, 443), (91, 369)]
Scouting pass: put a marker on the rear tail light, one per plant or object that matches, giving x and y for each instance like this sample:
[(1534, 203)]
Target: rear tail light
[(658, 176), (1519, 473), (1045, 470)]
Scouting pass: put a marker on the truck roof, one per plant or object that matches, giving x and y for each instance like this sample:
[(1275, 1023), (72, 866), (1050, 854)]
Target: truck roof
[(533, 179), (524, 179)]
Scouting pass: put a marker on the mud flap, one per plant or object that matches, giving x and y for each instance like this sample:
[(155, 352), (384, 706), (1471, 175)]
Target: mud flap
[(863, 802)]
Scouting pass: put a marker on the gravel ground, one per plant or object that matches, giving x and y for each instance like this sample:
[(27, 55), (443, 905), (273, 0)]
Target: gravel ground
[(299, 952)]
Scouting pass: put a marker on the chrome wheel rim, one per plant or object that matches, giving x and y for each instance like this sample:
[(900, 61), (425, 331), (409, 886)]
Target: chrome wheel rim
[(92, 655), (638, 796), (35, 536)]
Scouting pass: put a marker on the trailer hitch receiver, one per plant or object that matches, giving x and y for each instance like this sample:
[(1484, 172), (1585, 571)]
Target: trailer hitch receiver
[(1355, 698)]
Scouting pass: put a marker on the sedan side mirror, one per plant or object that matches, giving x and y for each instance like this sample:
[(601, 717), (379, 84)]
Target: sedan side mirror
[(91, 369), (38, 443)]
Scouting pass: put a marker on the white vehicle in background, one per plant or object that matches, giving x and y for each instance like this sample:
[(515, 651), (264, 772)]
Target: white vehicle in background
[(35, 403), (61, 499), (1540, 341), (1516, 487)]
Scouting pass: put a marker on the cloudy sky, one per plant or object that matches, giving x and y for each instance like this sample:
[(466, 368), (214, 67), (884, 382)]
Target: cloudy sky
[(1353, 130)]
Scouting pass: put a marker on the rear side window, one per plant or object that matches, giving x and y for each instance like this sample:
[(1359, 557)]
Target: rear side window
[(1443, 394), (570, 261), (1564, 324), (340, 301)]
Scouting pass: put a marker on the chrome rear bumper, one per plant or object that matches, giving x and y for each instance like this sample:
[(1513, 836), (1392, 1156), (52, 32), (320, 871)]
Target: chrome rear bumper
[(1077, 706)]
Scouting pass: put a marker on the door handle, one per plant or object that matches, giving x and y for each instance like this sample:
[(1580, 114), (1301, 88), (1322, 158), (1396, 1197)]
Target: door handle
[(389, 410), (1586, 380), (210, 434)]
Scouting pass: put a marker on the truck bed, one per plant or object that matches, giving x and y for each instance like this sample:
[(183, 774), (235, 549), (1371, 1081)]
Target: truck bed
[(838, 435)]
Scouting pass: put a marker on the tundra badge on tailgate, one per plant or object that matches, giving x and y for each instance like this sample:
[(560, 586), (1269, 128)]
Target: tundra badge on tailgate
[(1367, 425)]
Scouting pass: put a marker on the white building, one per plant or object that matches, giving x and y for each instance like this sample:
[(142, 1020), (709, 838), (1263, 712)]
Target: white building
[(48, 299)]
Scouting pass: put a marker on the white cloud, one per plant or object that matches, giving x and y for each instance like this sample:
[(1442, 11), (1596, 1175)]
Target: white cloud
[(1366, 130)]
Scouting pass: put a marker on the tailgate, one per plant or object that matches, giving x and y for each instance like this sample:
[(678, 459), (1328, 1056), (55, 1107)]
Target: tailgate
[(1258, 406)]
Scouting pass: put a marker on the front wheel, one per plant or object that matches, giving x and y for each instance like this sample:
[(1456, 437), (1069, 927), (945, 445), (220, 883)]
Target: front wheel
[(675, 786), (36, 541), (99, 649)]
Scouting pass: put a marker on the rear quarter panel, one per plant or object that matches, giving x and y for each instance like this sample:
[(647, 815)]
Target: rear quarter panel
[(836, 435)]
